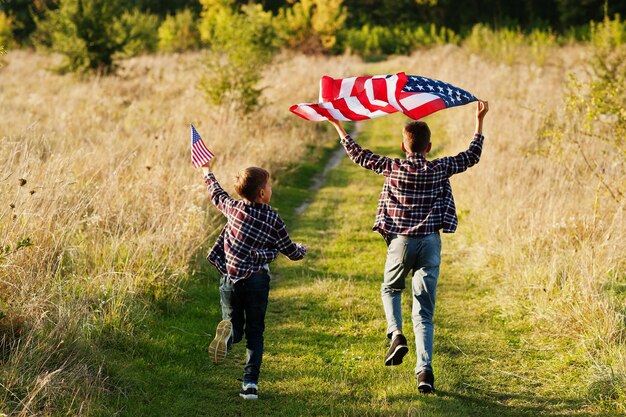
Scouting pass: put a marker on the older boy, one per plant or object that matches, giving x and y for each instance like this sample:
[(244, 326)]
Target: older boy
[(415, 203), (253, 236)]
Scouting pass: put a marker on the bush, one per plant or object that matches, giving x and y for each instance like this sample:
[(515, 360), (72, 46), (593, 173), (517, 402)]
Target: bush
[(179, 32), (600, 103), (85, 31), (138, 32), (242, 44), (378, 40), (7, 23), (511, 45), (311, 25)]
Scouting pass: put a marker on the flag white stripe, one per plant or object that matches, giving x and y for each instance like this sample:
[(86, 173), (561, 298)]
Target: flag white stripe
[(337, 115), (392, 84), (415, 100), (346, 87), (357, 107), (311, 114)]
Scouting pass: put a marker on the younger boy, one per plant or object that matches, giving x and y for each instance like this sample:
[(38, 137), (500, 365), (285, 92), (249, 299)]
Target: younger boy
[(415, 203), (253, 236)]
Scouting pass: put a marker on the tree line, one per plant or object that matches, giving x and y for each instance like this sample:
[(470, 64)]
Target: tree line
[(459, 16)]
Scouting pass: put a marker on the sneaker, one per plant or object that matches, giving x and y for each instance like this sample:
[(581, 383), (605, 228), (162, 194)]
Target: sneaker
[(426, 382), (397, 350), (249, 391), (219, 346)]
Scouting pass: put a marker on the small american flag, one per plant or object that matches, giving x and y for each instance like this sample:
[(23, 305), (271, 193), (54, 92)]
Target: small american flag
[(360, 98), (200, 155)]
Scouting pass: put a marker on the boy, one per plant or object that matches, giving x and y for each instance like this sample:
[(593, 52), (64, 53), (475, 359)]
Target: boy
[(415, 203), (253, 236)]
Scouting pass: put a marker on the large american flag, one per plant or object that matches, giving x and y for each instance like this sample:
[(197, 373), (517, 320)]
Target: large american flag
[(200, 155), (359, 98)]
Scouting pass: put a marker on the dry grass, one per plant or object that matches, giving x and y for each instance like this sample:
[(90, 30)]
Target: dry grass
[(115, 211), (95, 173), (544, 212)]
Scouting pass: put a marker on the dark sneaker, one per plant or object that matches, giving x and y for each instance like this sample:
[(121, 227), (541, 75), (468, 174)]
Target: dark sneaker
[(249, 391), (220, 344), (396, 351), (426, 382)]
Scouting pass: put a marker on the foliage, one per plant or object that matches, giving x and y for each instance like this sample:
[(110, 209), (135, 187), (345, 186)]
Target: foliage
[(600, 103), (178, 32), (214, 15), (7, 22), (86, 32), (510, 45), (394, 40), (138, 32), (311, 25), (242, 42)]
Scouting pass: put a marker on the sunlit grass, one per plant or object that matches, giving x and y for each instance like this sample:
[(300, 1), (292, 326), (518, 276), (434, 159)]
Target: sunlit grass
[(103, 219)]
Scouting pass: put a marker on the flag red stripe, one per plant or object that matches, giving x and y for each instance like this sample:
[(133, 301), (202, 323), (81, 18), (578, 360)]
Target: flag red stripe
[(342, 106), (425, 109), (359, 85), (373, 107)]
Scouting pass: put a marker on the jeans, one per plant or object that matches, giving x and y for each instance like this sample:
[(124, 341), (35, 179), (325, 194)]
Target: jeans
[(421, 256), (244, 303)]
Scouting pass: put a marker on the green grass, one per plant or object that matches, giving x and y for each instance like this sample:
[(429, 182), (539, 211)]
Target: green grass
[(325, 329)]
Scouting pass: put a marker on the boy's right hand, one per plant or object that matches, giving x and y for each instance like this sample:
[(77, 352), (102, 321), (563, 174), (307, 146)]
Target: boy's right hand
[(206, 168)]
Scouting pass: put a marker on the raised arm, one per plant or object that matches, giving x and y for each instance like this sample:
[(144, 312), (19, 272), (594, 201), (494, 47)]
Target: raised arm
[(219, 197), (364, 157), (464, 160)]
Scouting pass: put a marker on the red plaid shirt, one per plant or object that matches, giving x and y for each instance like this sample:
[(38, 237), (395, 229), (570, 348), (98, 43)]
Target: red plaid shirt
[(417, 197), (253, 235)]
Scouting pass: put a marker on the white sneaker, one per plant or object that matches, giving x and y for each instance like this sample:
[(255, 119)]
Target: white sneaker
[(219, 346), (249, 391)]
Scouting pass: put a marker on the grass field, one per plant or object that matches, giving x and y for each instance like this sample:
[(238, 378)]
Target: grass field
[(107, 305), (325, 339)]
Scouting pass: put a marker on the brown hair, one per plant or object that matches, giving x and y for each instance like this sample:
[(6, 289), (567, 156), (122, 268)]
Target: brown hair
[(250, 181), (417, 136)]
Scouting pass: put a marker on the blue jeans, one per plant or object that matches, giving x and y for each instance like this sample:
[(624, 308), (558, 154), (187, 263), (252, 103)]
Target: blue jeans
[(244, 303), (421, 256)]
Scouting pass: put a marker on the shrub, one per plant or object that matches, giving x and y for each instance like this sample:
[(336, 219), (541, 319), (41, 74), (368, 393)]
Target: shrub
[(7, 23), (138, 32), (311, 25), (511, 45), (242, 44), (213, 13), (500, 45), (178, 32), (600, 103), (377, 40), (85, 31)]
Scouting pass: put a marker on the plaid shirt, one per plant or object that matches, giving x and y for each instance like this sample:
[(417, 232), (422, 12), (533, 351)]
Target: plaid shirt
[(253, 235), (417, 197)]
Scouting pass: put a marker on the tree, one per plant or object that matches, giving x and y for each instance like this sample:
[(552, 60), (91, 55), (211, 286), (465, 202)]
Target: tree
[(242, 43), (85, 31)]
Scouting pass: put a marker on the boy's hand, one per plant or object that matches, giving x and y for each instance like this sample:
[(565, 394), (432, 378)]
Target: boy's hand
[(206, 168), (482, 109)]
